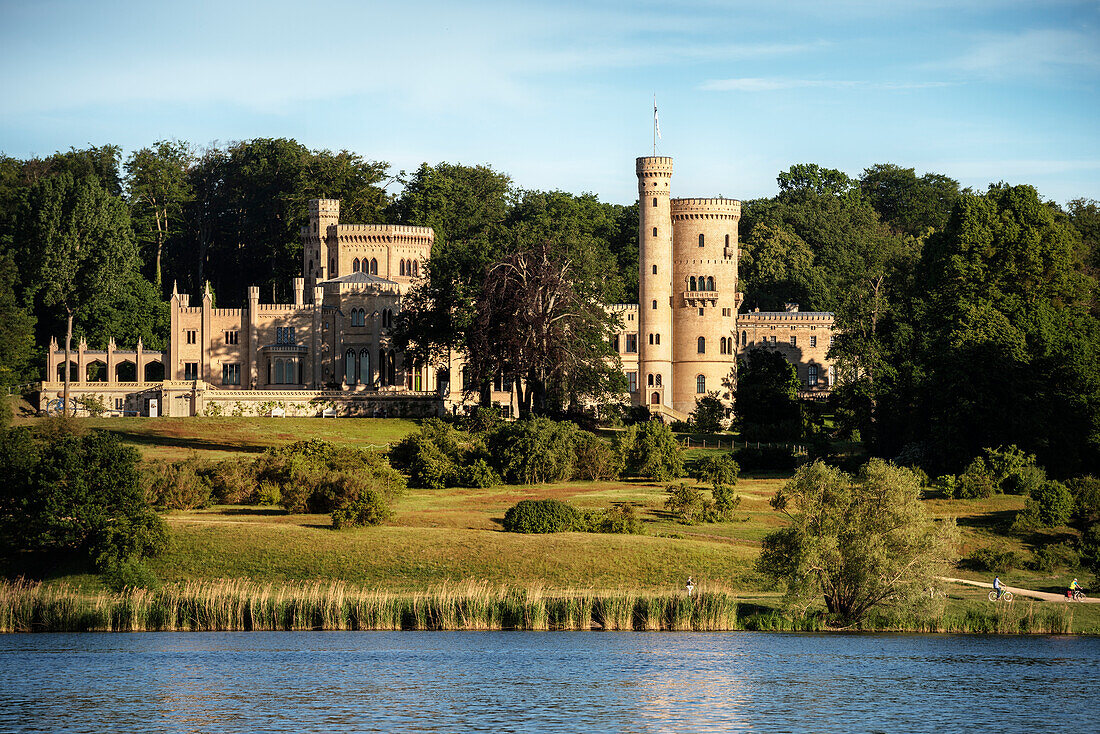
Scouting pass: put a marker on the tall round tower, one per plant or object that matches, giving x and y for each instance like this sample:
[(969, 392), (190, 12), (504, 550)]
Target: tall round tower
[(705, 299), (654, 281)]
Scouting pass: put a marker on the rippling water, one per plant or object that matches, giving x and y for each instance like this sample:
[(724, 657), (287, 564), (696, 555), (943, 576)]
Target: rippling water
[(545, 682)]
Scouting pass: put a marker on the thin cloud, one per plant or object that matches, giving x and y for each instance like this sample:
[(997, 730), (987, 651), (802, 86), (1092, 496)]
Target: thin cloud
[(1033, 53), (772, 84)]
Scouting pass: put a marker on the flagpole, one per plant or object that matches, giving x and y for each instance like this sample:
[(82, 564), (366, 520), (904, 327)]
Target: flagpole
[(654, 124)]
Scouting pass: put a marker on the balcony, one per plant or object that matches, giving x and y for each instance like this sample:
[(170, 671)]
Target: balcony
[(697, 298)]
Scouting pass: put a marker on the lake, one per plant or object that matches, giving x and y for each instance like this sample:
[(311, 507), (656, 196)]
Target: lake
[(545, 682)]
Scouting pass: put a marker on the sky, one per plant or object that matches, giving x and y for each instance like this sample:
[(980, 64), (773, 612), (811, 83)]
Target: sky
[(559, 95)]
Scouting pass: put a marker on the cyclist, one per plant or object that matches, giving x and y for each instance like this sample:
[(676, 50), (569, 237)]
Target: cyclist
[(1073, 587), (997, 586)]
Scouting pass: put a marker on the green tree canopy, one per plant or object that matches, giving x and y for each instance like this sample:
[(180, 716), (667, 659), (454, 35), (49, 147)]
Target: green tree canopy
[(766, 403)]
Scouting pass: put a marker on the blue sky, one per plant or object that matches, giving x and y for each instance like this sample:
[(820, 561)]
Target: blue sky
[(559, 94)]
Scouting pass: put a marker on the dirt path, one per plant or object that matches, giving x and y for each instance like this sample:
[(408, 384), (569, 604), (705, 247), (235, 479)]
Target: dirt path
[(1045, 596)]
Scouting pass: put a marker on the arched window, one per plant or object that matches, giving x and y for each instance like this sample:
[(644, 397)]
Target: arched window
[(349, 367), (727, 240), (402, 267), (655, 399), (416, 268), (654, 269), (710, 283), (656, 338), (364, 367), (382, 368), (700, 240), (654, 231), (373, 266), (277, 376), (722, 345), (651, 380), (391, 367), (355, 265), (658, 379), (700, 384), (654, 305), (691, 283), (309, 270), (362, 317), (650, 338), (702, 345), (332, 266), (654, 201), (744, 338)]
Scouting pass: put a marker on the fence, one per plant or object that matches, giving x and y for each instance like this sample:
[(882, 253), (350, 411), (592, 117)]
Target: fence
[(717, 443)]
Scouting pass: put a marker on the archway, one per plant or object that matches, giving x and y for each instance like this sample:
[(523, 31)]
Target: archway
[(154, 371), (655, 398), (126, 372), (74, 372)]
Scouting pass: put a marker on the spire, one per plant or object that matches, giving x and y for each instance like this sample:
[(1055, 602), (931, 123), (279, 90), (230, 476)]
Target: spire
[(175, 290)]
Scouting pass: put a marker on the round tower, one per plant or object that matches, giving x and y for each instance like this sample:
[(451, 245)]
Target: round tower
[(655, 340), (704, 297)]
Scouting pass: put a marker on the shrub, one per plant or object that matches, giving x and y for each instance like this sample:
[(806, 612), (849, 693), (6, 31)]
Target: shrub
[(767, 459), (991, 559), (621, 518), (232, 482), (974, 483), (533, 451), (725, 501), (680, 426), (269, 494), (637, 414), (1001, 470), (688, 504), (1086, 500), (1048, 558), (1050, 504), (178, 485), (595, 458), (543, 516), (430, 467), (358, 501), (478, 475), (650, 451), (721, 469), (93, 404), (948, 484), (128, 574), (708, 414)]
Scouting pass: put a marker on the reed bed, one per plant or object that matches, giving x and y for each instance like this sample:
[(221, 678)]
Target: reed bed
[(238, 605)]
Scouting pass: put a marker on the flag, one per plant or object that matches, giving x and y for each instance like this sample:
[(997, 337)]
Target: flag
[(656, 122)]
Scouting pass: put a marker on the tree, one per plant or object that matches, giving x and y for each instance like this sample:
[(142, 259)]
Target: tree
[(77, 492), (859, 542), (776, 267), (651, 451), (766, 398), (84, 244), (708, 414), (539, 322), (16, 325), (907, 203), (157, 181)]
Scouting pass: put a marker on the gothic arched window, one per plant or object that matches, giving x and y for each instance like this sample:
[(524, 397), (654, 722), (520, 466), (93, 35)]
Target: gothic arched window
[(700, 384), (702, 345)]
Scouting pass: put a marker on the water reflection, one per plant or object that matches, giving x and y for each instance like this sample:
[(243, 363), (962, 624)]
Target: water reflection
[(542, 682)]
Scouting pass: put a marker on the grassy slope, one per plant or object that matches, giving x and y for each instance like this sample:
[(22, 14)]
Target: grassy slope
[(440, 536)]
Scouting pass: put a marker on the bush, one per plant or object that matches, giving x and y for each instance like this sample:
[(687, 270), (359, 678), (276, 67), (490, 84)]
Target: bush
[(620, 519), (637, 414), (650, 451), (232, 482), (721, 469), (128, 574), (1001, 470), (688, 504), (180, 485), (543, 516), (595, 458), (358, 501), (708, 414), (534, 451), (767, 459), (1086, 500), (269, 494), (478, 475), (990, 559), (1050, 504), (1049, 558), (725, 501)]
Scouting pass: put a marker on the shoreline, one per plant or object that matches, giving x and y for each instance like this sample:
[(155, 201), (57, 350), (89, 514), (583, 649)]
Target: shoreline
[(244, 606)]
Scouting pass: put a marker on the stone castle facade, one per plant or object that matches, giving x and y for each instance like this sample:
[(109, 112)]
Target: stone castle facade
[(329, 352)]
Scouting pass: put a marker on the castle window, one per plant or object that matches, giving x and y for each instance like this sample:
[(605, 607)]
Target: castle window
[(654, 231), (650, 338), (632, 381), (701, 346), (332, 265), (402, 268), (651, 380), (727, 240), (656, 338), (309, 270), (701, 312), (373, 266), (284, 335), (832, 340), (190, 371), (700, 240), (710, 283), (349, 367), (631, 344), (654, 305), (744, 338), (658, 379), (813, 341), (416, 269), (364, 367), (654, 269), (654, 201), (231, 374), (355, 265), (794, 340), (811, 375), (232, 337), (655, 399), (773, 340), (691, 283), (192, 336), (700, 384)]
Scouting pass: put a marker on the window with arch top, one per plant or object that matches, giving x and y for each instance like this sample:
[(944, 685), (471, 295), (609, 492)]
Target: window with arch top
[(700, 384), (355, 265), (402, 267), (654, 305), (700, 240), (702, 345), (691, 283), (710, 283), (654, 231), (654, 269), (654, 201), (655, 399), (373, 266)]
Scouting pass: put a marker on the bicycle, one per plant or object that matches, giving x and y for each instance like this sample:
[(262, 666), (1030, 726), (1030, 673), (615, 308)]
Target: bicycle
[(1077, 595), (1005, 596)]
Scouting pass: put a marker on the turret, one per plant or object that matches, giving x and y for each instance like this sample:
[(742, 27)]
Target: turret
[(654, 280)]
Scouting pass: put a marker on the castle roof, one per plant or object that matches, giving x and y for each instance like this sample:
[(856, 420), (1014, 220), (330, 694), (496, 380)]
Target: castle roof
[(360, 277)]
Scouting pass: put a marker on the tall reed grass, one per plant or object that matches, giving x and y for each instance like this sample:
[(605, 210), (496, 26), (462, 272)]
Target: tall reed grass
[(232, 605)]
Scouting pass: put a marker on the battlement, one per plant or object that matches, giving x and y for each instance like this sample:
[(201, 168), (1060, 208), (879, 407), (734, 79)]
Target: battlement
[(753, 317), (719, 208), (324, 207), (384, 233), (648, 167)]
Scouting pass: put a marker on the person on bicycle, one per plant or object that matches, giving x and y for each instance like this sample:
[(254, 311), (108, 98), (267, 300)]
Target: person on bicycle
[(1073, 588), (997, 586)]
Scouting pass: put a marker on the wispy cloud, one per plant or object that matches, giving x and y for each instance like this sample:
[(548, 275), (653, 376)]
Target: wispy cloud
[(1031, 54), (772, 84)]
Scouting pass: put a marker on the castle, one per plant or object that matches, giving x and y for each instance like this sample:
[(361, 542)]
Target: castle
[(329, 352)]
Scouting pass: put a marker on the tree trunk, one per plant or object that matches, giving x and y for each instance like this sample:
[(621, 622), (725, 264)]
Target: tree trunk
[(68, 349)]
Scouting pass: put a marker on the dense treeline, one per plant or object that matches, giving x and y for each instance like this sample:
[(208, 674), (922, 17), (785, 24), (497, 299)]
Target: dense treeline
[(968, 319)]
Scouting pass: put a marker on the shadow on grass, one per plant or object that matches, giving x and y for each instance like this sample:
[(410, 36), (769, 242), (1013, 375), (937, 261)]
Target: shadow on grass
[(44, 565), (264, 511), (999, 521), (194, 444)]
